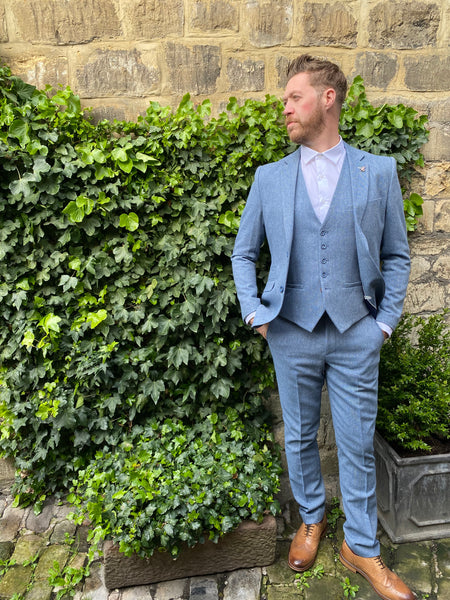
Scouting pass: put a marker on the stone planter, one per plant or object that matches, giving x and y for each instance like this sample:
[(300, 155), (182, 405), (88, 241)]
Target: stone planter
[(250, 545), (413, 494)]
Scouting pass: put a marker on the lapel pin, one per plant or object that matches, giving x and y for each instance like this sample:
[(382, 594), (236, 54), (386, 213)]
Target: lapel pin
[(362, 169)]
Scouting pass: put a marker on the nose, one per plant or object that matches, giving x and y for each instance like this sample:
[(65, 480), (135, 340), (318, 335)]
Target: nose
[(287, 109)]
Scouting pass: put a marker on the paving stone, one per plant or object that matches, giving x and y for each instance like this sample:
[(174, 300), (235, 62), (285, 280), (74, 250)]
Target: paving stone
[(6, 550), (281, 592), (413, 564), (137, 593), (15, 581), (41, 590), (94, 587), (244, 584), (171, 590), (327, 587), (41, 522), (10, 523), (51, 554), (61, 529), (27, 546), (202, 588)]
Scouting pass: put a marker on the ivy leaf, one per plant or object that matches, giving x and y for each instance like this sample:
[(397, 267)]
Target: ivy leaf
[(95, 318), (129, 221)]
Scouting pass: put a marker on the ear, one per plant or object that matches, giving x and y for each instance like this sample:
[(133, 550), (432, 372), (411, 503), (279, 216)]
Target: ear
[(329, 97)]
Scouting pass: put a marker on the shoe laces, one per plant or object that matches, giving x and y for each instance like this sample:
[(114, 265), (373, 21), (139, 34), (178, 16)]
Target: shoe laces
[(380, 562), (310, 529)]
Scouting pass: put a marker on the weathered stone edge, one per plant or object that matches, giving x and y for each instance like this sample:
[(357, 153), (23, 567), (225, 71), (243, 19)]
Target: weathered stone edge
[(249, 545)]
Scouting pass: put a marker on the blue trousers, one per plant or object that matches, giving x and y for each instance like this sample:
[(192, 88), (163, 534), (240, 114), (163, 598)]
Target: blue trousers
[(348, 362)]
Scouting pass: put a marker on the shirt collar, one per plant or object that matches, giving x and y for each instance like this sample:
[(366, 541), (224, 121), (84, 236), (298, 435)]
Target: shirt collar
[(334, 154)]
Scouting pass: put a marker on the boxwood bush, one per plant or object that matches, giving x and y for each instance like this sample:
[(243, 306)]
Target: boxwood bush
[(125, 368)]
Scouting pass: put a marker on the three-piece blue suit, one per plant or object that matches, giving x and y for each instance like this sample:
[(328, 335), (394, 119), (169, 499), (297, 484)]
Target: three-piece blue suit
[(328, 282)]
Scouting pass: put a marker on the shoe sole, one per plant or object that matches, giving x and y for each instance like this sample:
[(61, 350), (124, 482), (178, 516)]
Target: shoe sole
[(355, 569), (310, 564)]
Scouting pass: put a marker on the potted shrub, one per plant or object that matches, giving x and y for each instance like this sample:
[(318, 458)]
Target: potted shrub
[(412, 442)]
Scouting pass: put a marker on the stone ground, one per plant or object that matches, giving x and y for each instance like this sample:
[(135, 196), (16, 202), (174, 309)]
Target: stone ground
[(30, 545)]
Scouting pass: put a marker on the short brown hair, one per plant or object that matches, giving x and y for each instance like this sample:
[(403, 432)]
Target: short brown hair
[(323, 73)]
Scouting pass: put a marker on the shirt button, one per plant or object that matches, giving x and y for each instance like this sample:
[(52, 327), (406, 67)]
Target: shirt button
[(324, 274), (323, 246), (322, 233), (324, 260)]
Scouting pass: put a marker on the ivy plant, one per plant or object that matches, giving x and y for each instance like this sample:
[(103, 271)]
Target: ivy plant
[(393, 130), (119, 310)]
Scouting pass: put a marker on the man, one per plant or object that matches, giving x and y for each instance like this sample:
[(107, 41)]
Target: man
[(333, 219)]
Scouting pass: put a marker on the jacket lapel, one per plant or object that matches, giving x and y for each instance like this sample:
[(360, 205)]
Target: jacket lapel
[(359, 177), (288, 186)]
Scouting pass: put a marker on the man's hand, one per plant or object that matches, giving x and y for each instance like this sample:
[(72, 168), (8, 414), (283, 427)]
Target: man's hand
[(262, 329)]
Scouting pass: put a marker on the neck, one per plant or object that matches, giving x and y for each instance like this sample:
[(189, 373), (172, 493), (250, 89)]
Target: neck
[(325, 142)]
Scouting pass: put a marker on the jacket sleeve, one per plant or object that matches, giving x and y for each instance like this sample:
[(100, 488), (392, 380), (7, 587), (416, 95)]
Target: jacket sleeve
[(394, 255), (247, 246)]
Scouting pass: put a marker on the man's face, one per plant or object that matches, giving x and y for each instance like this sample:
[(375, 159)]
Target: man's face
[(303, 110)]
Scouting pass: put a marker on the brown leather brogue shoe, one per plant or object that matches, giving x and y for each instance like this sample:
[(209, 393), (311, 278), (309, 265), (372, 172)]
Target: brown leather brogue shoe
[(304, 546), (386, 583)]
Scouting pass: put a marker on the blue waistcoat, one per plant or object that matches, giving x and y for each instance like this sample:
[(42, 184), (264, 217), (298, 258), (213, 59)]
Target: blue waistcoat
[(323, 271)]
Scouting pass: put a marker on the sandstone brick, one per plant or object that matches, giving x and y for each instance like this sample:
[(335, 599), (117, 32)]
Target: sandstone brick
[(442, 216), (3, 27), (377, 69), (153, 19), (329, 25), (439, 110), (442, 267), (426, 221), (425, 297), (117, 73), (427, 73), (429, 246), (437, 180), (69, 22), (193, 69), (268, 23), (247, 75), (281, 66), (41, 70), (214, 16), (438, 145), (403, 24)]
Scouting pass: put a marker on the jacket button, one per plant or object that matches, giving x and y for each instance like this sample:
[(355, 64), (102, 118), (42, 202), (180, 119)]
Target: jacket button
[(281, 288)]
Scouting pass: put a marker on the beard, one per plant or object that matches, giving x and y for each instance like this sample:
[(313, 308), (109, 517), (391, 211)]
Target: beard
[(307, 130)]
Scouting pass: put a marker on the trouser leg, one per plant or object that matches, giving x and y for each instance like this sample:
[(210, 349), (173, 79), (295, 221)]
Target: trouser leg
[(299, 366), (352, 378)]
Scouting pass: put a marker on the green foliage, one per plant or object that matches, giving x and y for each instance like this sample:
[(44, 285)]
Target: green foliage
[(301, 579), (350, 590), (169, 484), (333, 516), (414, 388), (118, 305), (393, 130)]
